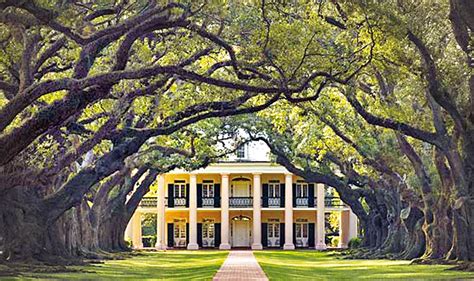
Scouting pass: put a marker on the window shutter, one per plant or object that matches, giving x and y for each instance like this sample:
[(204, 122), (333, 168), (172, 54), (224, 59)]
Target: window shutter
[(217, 196), (294, 234), (311, 235), (199, 195), (217, 235), (170, 235), (264, 234), (311, 195), (187, 195), (282, 234), (265, 195), (170, 195), (294, 195), (282, 195), (199, 234), (187, 234)]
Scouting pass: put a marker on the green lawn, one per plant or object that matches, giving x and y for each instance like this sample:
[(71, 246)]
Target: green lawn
[(177, 265), (311, 265)]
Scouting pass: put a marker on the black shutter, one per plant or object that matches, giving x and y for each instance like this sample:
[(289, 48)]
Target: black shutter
[(217, 196), (187, 234), (170, 235), (294, 234), (311, 195), (264, 234), (311, 238), (187, 195), (265, 195), (170, 195), (282, 234), (294, 195), (199, 234), (282, 195), (217, 235), (199, 195)]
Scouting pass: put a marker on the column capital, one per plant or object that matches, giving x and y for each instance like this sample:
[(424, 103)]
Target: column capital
[(256, 174), (225, 175), (192, 175), (288, 175)]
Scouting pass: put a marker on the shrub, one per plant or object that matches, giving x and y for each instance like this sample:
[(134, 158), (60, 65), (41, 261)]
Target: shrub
[(149, 240), (335, 241), (355, 243)]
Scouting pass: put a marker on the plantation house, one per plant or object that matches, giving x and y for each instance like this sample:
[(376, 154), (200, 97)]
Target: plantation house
[(245, 201)]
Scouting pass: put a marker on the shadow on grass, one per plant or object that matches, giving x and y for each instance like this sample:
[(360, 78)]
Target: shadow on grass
[(177, 265), (311, 265)]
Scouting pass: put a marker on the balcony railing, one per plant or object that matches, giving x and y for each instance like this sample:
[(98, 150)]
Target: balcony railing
[(274, 202), (301, 201), (333, 202), (149, 202), (240, 202), (180, 201), (207, 202)]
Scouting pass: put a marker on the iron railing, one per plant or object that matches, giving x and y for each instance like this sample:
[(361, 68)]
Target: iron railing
[(179, 201), (301, 201), (149, 202), (274, 202), (240, 202), (207, 201)]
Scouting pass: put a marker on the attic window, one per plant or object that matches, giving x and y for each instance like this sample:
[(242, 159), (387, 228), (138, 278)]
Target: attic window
[(240, 153)]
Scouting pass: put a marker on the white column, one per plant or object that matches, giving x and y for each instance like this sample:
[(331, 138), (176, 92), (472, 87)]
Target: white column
[(160, 229), (225, 213), (352, 225), (289, 213), (257, 215), (344, 218), (320, 231), (193, 213), (137, 231)]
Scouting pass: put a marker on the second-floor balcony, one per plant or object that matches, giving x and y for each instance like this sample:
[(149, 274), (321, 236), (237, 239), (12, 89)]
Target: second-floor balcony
[(240, 202), (244, 202)]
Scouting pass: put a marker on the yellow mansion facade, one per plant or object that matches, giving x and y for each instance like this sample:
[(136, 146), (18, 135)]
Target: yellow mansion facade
[(242, 203)]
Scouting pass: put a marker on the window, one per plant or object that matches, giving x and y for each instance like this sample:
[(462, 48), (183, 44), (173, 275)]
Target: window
[(179, 229), (207, 189), (240, 152), (301, 230), (301, 189), (179, 189), (274, 189), (208, 229)]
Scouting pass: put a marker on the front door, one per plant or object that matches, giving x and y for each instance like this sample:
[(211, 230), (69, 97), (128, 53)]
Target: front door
[(208, 234), (240, 233), (301, 234), (274, 234), (180, 234)]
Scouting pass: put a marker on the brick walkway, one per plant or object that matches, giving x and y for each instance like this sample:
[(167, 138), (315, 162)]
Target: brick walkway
[(240, 265)]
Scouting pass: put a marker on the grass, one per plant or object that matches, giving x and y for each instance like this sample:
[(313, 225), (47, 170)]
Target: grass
[(170, 265), (311, 265)]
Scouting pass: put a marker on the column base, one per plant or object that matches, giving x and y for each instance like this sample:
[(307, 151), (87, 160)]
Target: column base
[(321, 246), (224, 246), (257, 246), (137, 247), (193, 246), (290, 246)]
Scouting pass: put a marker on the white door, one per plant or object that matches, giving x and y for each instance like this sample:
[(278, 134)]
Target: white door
[(241, 234), (240, 189), (301, 234), (274, 234), (180, 234), (208, 234)]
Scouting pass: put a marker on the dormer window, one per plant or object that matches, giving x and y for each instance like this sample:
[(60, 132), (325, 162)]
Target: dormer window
[(240, 153)]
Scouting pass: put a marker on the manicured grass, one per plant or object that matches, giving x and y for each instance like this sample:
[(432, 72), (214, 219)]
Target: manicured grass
[(176, 265), (311, 265)]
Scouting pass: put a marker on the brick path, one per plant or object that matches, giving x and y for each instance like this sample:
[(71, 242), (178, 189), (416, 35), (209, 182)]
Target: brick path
[(240, 265)]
